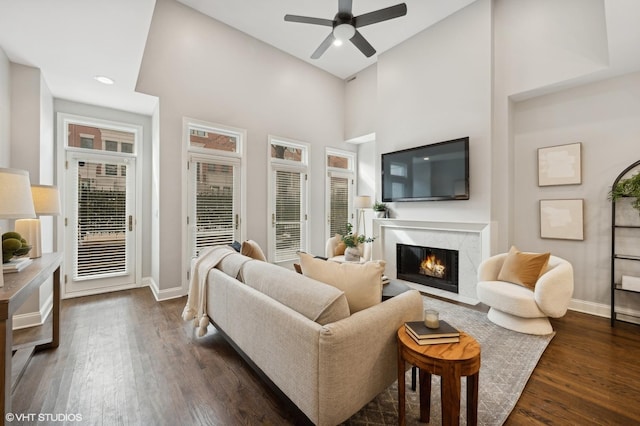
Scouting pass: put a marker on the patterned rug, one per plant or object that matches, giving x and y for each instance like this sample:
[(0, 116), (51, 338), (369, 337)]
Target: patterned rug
[(508, 359)]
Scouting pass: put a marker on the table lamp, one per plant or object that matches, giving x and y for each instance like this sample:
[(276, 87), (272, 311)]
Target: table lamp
[(361, 202), (15, 197), (46, 201)]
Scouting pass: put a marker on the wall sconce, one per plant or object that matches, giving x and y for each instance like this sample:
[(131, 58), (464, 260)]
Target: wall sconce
[(46, 202), (15, 197)]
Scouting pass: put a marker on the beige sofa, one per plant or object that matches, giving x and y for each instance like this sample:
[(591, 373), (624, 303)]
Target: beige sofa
[(300, 334)]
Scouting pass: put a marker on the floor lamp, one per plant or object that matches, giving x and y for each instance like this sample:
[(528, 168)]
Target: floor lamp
[(46, 202), (360, 203), (15, 197)]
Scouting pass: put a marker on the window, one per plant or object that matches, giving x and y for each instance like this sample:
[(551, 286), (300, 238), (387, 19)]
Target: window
[(111, 146), (100, 139), (339, 190), (86, 143), (214, 187), (213, 139), (288, 199)]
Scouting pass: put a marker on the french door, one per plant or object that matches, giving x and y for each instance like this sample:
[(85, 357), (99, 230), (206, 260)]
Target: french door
[(100, 223), (214, 202)]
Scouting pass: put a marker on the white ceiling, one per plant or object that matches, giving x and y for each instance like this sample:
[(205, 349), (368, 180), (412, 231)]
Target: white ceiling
[(71, 41), (264, 20)]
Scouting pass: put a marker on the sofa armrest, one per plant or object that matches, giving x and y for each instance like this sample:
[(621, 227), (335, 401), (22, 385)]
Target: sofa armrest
[(554, 289), (490, 268), (358, 355)]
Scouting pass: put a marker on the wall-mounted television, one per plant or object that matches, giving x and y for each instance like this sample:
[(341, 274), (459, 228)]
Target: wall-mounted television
[(439, 171)]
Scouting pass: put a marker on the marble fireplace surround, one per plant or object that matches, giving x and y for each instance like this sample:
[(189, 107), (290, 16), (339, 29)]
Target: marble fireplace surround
[(471, 239)]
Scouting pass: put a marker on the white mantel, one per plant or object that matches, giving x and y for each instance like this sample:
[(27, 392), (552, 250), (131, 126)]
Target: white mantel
[(473, 240)]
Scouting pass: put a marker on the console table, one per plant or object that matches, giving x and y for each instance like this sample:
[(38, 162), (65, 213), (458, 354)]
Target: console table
[(17, 289)]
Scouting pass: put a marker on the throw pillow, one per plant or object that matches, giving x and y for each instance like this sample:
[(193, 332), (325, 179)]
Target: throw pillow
[(251, 249), (361, 282), (340, 247), (523, 268)]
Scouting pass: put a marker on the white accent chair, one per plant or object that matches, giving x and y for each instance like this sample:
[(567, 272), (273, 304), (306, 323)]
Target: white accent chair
[(332, 244), (519, 308)]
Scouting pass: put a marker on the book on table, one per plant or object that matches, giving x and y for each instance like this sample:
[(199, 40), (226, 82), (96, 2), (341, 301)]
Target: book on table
[(435, 341), (419, 330), (16, 265)]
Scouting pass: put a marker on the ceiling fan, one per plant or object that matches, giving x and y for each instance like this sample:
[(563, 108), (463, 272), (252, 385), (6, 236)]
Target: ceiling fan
[(344, 26)]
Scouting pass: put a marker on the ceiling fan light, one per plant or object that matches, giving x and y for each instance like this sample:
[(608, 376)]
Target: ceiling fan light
[(337, 42), (344, 32)]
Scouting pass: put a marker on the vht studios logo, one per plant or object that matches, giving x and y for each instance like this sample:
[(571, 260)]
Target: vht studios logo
[(43, 417)]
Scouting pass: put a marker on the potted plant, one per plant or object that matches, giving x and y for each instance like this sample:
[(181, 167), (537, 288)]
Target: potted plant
[(627, 188), (379, 208), (352, 241)]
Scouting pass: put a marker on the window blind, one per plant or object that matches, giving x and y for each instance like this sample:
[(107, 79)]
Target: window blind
[(101, 221), (214, 205), (289, 214), (339, 207)]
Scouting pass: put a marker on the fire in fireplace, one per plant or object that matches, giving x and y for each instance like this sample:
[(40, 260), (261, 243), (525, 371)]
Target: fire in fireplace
[(430, 266)]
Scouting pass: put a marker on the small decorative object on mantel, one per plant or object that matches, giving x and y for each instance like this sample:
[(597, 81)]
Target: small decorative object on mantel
[(380, 209), (627, 188), (352, 241)]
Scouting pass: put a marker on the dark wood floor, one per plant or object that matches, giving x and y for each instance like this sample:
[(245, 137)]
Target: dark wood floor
[(126, 359)]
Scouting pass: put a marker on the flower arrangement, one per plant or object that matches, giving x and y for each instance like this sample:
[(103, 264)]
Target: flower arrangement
[(351, 240)]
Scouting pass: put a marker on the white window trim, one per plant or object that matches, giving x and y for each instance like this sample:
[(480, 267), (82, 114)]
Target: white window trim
[(235, 158), (301, 166), (63, 120)]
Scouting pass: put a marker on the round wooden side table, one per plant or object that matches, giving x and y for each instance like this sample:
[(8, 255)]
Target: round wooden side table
[(450, 361)]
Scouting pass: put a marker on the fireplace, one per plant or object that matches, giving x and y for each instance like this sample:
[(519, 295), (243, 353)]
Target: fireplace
[(430, 266)]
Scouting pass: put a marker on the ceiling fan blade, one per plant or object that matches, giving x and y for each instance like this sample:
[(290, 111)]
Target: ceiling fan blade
[(361, 43), (323, 46), (380, 15), (344, 6), (308, 20)]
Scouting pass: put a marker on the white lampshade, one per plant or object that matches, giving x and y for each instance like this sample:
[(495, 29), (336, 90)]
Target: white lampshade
[(46, 200), (15, 195), (362, 202)]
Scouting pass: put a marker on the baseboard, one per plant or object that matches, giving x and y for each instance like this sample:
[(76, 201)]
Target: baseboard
[(602, 310), (33, 319), (165, 294), (592, 308)]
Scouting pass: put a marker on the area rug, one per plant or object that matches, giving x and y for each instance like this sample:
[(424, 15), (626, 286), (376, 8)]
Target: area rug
[(508, 359)]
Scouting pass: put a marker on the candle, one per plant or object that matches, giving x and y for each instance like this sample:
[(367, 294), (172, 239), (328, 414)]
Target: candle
[(431, 319)]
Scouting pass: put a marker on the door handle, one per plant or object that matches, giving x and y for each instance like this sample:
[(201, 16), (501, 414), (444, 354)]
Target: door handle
[(130, 223)]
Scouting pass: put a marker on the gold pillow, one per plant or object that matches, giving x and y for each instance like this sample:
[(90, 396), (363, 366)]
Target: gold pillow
[(251, 249), (361, 282), (523, 268)]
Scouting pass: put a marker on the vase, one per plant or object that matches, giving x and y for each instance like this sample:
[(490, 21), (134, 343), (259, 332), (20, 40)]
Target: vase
[(380, 213), (352, 254)]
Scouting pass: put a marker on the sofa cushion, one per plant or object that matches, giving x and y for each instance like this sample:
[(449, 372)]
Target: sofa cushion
[(361, 282), (523, 268), (251, 249), (319, 302)]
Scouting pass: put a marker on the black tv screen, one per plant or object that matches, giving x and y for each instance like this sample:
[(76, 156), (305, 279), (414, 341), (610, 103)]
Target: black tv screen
[(438, 171)]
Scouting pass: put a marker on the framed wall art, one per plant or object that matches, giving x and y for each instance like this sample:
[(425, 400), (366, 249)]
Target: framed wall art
[(562, 219), (560, 165)]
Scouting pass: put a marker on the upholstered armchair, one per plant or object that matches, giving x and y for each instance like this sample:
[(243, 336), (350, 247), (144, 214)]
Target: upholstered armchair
[(334, 252), (521, 308)]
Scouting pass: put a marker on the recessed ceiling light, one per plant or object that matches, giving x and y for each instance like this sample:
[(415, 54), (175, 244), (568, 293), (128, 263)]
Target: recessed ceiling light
[(104, 80)]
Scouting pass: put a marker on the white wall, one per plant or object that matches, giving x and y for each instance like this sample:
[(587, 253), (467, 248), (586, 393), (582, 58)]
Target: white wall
[(361, 103), (605, 118), (434, 87), (5, 111), (203, 69)]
